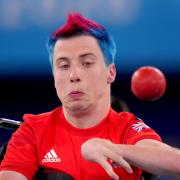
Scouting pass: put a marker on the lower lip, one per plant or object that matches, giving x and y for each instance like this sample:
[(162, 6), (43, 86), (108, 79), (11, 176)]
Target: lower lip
[(76, 95)]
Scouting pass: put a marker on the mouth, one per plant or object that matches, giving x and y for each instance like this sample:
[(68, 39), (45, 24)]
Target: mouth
[(75, 94)]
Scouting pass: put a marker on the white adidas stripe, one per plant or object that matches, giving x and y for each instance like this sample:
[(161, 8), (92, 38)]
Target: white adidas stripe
[(53, 153), (51, 156)]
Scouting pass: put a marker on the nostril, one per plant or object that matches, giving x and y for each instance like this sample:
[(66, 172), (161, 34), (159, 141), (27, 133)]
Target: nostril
[(75, 80)]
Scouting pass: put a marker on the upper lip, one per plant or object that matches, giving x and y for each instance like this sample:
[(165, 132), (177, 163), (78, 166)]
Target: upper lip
[(75, 92)]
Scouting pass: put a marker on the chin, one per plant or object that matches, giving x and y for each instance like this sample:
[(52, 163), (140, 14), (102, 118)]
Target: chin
[(77, 107)]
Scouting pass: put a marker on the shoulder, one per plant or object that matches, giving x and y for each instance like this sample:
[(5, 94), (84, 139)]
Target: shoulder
[(125, 120), (123, 117), (41, 119)]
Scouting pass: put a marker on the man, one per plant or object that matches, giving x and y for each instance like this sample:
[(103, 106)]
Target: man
[(85, 138)]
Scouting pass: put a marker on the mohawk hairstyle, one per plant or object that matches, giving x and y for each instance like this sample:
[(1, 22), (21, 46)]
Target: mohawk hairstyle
[(77, 25)]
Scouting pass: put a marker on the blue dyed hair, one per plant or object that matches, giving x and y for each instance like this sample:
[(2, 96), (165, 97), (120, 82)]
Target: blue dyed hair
[(77, 25)]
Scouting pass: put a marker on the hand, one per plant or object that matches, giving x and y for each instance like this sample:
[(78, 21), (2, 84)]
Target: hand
[(100, 150)]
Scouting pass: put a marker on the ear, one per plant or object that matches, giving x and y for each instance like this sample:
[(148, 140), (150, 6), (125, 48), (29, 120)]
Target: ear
[(111, 73)]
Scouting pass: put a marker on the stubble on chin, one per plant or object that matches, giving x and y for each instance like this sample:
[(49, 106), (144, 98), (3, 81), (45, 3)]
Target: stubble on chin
[(76, 107)]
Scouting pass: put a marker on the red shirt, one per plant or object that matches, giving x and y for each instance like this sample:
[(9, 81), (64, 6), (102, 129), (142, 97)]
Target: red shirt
[(47, 140)]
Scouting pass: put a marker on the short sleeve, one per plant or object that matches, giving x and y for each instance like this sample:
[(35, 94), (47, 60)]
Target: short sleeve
[(21, 153), (138, 130)]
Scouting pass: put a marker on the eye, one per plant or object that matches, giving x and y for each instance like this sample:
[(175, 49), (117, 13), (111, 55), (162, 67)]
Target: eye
[(87, 64), (62, 63), (64, 66)]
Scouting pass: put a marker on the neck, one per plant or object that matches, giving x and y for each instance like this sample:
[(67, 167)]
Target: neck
[(89, 117)]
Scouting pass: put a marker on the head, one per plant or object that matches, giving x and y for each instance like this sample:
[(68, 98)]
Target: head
[(77, 25), (82, 58)]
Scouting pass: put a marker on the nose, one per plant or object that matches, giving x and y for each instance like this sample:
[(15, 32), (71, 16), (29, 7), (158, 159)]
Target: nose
[(74, 75)]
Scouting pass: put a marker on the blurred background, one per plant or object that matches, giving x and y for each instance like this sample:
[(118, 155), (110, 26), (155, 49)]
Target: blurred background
[(146, 33)]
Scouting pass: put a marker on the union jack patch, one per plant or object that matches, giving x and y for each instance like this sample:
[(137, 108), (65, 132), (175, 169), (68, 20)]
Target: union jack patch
[(139, 126)]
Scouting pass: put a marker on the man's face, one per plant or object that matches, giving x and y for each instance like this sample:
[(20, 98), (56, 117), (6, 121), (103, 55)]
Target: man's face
[(81, 76)]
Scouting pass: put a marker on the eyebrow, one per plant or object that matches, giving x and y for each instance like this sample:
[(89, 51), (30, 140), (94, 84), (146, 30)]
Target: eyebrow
[(81, 56), (62, 59), (87, 54)]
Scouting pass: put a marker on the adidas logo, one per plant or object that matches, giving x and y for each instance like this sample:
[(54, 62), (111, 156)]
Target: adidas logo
[(51, 156)]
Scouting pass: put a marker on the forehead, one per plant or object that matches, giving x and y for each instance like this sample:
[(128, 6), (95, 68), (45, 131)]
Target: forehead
[(76, 44)]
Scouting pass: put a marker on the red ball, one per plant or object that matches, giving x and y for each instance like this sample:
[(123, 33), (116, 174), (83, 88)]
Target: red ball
[(148, 83)]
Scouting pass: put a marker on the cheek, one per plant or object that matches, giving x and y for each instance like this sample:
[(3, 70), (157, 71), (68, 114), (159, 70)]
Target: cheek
[(102, 78), (96, 79), (99, 74), (99, 82), (59, 84)]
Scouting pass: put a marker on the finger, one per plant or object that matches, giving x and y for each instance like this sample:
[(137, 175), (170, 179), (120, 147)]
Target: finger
[(118, 159), (122, 163), (108, 168)]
